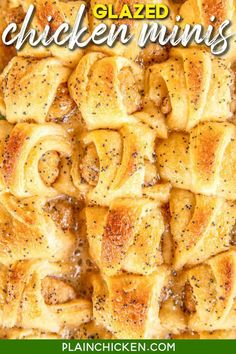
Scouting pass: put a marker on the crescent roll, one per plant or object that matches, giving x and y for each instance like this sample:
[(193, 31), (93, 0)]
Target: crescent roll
[(210, 294), (202, 299), (107, 90), (34, 296), (192, 86), (29, 87), (24, 234), (31, 159), (201, 226), (201, 11), (126, 304), (125, 236), (202, 161), (115, 164)]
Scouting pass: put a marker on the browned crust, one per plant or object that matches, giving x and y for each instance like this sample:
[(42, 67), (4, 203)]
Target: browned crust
[(196, 74), (109, 78), (207, 144), (118, 232), (56, 291), (130, 301), (197, 225), (12, 152), (226, 270), (130, 307), (45, 9), (119, 6), (189, 299), (215, 8), (15, 14)]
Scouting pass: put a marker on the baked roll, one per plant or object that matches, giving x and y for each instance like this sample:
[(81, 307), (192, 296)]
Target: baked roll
[(210, 294), (125, 304), (31, 160), (202, 299), (114, 164), (24, 226), (192, 86), (107, 90), (201, 11), (29, 87), (110, 101), (126, 236), (152, 52), (202, 162), (61, 12), (201, 226), (35, 296)]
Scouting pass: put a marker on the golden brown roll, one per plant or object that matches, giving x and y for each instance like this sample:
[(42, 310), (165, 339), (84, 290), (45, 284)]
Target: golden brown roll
[(125, 304), (210, 294), (31, 159), (61, 12), (115, 164), (126, 236), (202, 299), (151, 53), (24, 231), (35, 296), (201, 226), (191, 87), (107, 90), (202, 161), (29, 87), (55, 105), (200, 12)]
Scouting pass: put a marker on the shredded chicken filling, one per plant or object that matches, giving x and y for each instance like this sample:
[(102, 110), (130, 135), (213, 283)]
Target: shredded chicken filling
[(129, 90), (56, 291), (49, 167), (63, 105)]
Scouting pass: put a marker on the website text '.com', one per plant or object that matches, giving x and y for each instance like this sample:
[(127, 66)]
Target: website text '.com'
[(94, 346)]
